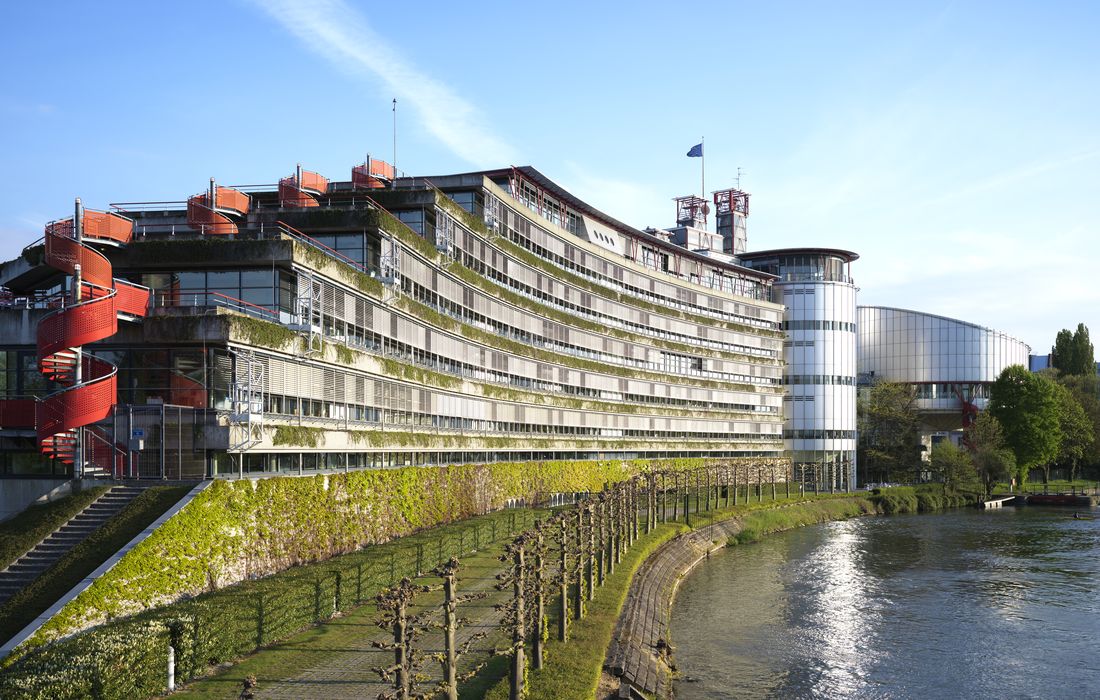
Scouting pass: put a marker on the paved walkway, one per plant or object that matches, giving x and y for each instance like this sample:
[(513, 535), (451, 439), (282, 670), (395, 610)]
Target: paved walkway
[(337, 659), (349, 671)]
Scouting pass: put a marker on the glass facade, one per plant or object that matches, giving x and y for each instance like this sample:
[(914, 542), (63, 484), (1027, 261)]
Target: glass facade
[(949, 361)]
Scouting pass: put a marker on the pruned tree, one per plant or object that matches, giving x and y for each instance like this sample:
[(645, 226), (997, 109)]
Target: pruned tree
[(405, 672), (514, 619), (452, 651)]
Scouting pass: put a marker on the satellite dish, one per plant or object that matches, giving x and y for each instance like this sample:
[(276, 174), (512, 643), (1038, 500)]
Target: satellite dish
[(706, 208)]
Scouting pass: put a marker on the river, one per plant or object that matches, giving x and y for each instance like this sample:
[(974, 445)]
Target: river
[(966, 604)]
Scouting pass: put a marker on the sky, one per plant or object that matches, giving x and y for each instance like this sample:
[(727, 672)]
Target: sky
[(954, 146)]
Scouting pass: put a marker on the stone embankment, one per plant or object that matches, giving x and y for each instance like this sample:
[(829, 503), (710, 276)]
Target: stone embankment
[(639, 654)]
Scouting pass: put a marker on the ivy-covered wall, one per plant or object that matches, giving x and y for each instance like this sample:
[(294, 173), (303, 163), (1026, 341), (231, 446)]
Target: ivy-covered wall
[(236, 530)]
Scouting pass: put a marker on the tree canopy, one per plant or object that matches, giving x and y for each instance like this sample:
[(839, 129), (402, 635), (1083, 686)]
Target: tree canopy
[(1086, 389), (889, 433), (1026, 407), (1073, 353), (992, 459), (954, 467), (1077, 431)]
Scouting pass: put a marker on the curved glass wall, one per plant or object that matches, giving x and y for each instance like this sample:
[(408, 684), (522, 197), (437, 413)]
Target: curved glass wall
[(951, 362)]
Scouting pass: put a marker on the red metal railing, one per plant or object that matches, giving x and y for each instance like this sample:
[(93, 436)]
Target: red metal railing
[(301, 189), (373, 174), (87, 314), (211, 217)]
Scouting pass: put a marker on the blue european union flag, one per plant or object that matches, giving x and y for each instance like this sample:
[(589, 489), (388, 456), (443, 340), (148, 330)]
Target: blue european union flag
[(696, 151)]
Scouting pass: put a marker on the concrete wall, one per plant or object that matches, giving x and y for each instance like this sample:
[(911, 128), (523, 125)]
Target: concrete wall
[(17, 494)]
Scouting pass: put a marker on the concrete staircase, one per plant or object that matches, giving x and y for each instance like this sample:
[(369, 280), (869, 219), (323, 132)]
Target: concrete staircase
[(28, 567)]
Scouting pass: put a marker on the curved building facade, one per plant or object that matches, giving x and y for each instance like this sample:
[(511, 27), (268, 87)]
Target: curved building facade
[(951, 363), (819, 404), (383, 322)]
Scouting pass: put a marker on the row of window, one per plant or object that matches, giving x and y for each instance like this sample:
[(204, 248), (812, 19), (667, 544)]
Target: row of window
[(228, 465), (292, 406), (745, 287), (649, 258), (676, 364), (590, 313), (828, 379), (819, 434), (817, 325)]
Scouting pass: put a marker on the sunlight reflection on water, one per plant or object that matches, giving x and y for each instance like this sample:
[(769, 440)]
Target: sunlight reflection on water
[(965, 604)]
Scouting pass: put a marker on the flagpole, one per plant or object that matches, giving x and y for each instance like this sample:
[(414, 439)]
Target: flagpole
[(703, 173)]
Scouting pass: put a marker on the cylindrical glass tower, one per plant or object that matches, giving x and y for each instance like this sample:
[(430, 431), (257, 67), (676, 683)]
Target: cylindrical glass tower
[(819, 405)]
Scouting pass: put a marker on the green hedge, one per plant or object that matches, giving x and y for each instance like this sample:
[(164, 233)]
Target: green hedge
[(925, 498), (236, 530), (128, 658), (22, 532)]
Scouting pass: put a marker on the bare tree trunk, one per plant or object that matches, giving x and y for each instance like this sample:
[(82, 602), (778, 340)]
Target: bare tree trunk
[(540, 604), (563, 617), (450, 623), (519, 632)]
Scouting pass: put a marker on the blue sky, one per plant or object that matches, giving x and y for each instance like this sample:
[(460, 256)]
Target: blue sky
[(955, 147)]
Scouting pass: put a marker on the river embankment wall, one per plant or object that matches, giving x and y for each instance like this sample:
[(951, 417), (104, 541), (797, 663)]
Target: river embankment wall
[(640, 653)]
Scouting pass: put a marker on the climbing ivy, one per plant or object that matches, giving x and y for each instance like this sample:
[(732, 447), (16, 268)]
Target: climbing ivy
[(298, 436), (237, 530)]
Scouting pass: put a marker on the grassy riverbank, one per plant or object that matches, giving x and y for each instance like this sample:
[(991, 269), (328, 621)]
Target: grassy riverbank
[(573, 669)]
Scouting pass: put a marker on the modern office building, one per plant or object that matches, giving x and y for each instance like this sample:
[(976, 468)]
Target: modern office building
[(819, 402), (375, 322), (951, 363)]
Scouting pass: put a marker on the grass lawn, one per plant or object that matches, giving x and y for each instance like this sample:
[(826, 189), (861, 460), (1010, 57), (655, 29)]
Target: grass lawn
[(83, 559), (27, 529), (1054, 486)]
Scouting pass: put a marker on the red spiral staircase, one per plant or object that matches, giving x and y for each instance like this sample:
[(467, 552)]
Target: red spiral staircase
[(88, 313), (302, 189), (210, 212), (373, 174)]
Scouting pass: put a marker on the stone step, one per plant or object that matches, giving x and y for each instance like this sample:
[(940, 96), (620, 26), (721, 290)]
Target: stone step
[(21, 577), (20, 567)]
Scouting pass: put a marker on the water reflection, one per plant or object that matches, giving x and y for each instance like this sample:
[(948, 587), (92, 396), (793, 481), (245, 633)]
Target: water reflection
[(1000, 604)]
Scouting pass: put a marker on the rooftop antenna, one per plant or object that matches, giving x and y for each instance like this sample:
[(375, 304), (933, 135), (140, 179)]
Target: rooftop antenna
[(395, 137), (738, 177)]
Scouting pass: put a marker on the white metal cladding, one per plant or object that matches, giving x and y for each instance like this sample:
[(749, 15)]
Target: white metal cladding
[(819, 407), (909, 346)]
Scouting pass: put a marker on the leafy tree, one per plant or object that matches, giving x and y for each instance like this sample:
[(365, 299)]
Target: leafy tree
[(1086, 390), (1025, 406), (1077, 432), (1073, 353), (993, 466), (992, 459), (954, 467), (889, 433)]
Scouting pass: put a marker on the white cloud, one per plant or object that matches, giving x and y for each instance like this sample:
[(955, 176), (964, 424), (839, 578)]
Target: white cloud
[(342, 36)]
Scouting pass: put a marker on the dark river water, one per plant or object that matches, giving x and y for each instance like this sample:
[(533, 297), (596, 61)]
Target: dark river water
[(968, 604)]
